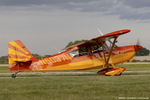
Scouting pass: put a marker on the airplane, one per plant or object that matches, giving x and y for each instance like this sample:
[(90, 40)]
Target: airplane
[(99, 52)]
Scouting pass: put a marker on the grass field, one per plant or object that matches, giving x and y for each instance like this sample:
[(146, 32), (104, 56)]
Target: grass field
[(77, 86)]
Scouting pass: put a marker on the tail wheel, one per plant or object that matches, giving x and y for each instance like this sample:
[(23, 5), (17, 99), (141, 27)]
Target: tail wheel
[(13, 75)]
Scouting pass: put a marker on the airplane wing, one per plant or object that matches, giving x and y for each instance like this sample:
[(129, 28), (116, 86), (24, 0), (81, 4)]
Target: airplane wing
[(100, 38)]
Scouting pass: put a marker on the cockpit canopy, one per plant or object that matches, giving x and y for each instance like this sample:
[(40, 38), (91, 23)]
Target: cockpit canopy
[(83, 51)]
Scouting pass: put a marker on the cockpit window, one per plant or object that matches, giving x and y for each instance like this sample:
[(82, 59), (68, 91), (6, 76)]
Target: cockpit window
[(74, 53), (79, 52), (84, 51), (97, 48)]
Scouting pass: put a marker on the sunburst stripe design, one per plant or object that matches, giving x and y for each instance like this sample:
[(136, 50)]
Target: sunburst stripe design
[(18, 52), (14, 52), (14, 48), (20, 47), (17, 56)]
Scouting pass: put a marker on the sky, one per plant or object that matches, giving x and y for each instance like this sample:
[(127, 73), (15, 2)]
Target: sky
[(47, 26)]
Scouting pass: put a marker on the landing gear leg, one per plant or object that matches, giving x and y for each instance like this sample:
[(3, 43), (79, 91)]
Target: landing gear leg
[(15, 74)]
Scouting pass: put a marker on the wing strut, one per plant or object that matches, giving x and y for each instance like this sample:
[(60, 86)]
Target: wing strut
[(110, 51)]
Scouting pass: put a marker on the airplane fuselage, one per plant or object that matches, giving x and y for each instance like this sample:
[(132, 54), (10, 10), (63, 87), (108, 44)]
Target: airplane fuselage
[(64, 61)]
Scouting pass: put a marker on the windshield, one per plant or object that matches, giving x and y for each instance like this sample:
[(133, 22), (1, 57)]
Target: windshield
[(82, 51)]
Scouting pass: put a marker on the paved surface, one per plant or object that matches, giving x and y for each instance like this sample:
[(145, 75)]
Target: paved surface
[(3, 64), (138, 63), (141, 58), (73, 73)]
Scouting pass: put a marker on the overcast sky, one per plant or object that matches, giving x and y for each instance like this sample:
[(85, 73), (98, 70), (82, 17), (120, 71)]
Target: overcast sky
[(46, 26)]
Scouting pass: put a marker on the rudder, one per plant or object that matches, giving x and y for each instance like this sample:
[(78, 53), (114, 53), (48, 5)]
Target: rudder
[(19, 56)]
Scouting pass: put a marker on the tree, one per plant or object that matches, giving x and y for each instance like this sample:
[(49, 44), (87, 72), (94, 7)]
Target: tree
[(4, 60), (75, 42), (37, 56), (46, 56), (143, 52)]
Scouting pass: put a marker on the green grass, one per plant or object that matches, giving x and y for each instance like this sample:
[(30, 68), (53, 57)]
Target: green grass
[(4, 69), (137, 67), (76, 87)]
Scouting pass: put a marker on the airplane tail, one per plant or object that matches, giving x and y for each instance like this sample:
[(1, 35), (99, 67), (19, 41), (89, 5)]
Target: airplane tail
[(19, 56)]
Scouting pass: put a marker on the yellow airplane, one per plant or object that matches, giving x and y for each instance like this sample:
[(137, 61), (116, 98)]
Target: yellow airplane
[(94, 53)]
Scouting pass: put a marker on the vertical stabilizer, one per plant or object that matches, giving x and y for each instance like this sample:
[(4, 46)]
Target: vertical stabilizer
[(19, 56)]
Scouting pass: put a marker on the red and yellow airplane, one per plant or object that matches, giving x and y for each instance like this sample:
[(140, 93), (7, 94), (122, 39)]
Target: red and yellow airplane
[(95, 53)]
